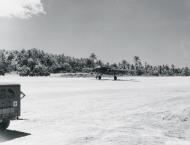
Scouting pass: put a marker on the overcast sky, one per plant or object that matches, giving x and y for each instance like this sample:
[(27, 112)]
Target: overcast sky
[(156, 30)]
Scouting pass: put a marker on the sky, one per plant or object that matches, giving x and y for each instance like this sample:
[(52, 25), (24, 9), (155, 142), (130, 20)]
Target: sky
[(156, 30)]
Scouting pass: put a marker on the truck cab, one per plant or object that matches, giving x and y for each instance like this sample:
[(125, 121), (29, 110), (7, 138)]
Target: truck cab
[(10, 96)]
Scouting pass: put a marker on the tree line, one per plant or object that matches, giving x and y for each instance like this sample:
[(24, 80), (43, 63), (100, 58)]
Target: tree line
[(35, 62)]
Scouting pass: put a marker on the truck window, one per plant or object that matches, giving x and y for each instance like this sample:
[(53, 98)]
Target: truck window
[(10, 93), (2, 93)]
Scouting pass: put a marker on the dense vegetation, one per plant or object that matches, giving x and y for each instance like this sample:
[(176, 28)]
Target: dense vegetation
[(36, 62)]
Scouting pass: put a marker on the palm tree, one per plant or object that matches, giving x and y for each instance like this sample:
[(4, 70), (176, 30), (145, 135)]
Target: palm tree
[(136, 59), (99, 63), (138, 65), (92, 59), (124, 64), (92, 56)]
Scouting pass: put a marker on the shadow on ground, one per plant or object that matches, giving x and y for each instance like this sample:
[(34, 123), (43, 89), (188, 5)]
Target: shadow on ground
[(7, 135), (130, 80)]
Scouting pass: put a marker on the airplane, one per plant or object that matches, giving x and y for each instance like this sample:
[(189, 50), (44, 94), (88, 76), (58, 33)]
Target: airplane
[(109, 71)]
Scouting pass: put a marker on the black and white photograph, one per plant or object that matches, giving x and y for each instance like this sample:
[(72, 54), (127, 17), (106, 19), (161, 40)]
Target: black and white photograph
[(94, 72)]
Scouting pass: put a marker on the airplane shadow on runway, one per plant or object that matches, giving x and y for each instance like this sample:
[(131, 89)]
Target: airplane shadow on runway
[(8, 135), (130, 80)]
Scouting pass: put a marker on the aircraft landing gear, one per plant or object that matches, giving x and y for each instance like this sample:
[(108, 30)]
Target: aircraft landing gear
[(115, 78), (99, 77)]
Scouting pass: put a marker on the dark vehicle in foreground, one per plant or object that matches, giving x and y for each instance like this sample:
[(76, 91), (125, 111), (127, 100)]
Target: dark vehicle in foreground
[(10, 103)]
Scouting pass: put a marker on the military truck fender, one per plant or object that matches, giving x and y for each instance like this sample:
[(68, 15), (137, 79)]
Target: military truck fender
[(4, 124)]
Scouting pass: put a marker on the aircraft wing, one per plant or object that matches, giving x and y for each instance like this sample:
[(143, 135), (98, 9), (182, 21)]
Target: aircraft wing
[(118, 71)]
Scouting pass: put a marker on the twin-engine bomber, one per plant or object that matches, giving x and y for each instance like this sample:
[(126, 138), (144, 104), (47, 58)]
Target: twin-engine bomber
[(10, 102), (109, 71)]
